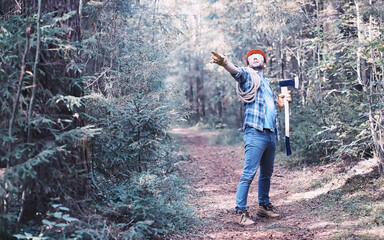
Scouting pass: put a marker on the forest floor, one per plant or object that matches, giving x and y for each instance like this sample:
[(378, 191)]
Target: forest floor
[(334, 201)]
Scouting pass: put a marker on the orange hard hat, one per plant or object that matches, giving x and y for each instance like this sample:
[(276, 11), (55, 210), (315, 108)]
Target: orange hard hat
[(254, 51)]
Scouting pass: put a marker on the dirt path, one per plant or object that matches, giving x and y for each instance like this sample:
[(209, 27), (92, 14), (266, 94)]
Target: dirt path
[(215, 171)]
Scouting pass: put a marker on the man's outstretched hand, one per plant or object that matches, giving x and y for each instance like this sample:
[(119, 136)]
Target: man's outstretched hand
[(218, 58)]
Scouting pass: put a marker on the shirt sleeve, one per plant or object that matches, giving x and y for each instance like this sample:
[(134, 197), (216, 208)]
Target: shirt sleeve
[(241, 76)]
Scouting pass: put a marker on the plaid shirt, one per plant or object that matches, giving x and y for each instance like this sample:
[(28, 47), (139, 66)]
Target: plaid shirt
[(254, 112)]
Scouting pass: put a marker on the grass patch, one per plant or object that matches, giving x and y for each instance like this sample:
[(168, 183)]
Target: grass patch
[(337, 203), (318, 183), (378, 215), (352, 236), (359, 205), (226, 137), (292, 162)]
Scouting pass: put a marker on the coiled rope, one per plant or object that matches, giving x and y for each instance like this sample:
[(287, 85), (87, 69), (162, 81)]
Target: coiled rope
[(249, 95)]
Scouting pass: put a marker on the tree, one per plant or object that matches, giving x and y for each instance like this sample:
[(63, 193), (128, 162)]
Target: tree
[(42, 109)]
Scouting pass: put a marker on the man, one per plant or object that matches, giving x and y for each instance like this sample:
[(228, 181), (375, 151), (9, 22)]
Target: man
[(260, 130)]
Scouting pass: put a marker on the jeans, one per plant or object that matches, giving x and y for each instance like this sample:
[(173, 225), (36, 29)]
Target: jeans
[(260, 147)]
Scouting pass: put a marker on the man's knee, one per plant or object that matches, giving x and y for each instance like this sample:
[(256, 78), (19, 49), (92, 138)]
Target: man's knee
[(266, 173), (247, 177)]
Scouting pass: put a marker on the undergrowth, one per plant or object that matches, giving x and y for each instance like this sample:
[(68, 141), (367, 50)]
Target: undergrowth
[(149, 205)]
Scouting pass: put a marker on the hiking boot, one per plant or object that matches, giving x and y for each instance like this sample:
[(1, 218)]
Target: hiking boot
[(267, 211), (243, 218)]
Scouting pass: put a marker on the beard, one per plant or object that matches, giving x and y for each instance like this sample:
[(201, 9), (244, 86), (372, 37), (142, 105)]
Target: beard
[(259, 67)]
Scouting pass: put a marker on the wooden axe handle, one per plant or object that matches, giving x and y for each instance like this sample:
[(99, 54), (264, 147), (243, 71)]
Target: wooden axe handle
[(284, 90)]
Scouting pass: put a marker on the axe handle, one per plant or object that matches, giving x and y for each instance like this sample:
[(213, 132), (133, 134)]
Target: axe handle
[(284, 90)]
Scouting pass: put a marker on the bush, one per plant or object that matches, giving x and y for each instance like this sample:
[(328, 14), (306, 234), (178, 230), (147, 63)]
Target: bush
[(335, 130)]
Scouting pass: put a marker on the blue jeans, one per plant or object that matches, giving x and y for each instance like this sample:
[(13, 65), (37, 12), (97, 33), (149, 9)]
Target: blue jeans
[(260, 147)]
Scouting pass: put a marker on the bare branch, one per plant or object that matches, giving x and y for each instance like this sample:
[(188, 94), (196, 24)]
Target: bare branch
[(15, 107), (30, 108)]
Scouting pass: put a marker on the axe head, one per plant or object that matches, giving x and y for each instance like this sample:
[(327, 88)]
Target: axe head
[(294, 82)]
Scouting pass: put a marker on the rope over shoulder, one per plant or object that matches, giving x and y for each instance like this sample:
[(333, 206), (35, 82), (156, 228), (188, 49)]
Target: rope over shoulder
[(249, 95)]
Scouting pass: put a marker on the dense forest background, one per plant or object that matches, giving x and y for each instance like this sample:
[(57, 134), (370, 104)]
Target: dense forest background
[(89, 90)]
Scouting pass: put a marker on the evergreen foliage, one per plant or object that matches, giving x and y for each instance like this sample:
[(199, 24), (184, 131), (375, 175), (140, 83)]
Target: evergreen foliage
[(41, 165), (99, 142)]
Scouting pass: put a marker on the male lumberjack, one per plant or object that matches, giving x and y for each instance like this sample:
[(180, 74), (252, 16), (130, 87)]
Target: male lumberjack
[(260, 130)]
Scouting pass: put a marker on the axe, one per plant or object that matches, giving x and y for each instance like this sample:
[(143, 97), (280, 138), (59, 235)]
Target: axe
[(284, 84)]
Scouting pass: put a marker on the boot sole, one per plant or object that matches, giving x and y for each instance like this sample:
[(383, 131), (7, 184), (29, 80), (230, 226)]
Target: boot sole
[(266, 216)]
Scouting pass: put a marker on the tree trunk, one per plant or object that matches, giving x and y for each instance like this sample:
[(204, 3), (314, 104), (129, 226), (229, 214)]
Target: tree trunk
[(282, 57), (359, 36), (372, 94), (330, 16)]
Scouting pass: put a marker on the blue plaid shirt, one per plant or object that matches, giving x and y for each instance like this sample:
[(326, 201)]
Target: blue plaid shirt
[(254, 112)]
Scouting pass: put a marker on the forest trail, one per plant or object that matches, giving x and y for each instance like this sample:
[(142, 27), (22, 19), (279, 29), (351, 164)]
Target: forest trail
[(298, 194)]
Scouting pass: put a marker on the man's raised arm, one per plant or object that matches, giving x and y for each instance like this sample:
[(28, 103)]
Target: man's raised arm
[(222, 60)]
